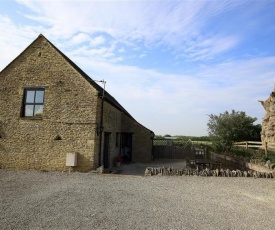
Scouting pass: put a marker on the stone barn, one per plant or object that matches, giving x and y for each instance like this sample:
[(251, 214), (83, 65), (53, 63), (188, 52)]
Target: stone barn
[(268, 124), (50, 109)]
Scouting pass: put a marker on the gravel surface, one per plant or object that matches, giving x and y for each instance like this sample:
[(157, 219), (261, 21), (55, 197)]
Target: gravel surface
[(53, 200)]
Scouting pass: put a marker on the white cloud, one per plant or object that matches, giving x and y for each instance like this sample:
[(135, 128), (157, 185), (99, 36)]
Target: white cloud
[(121, 50), (207, 48), (178, 104), (102, 53), (142, 55), (80, 38), (14, 38), (152, 23), (99, 40), (98, 35)]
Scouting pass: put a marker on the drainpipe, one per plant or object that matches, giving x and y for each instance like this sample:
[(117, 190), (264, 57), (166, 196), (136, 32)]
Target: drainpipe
[(152, 144), (101, 122)]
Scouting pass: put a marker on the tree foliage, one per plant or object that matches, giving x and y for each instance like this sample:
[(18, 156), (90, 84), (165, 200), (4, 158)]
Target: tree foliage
[(228, 128), (193, 138), (185, 138)]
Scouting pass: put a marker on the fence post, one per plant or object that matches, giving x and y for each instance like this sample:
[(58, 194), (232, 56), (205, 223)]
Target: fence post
[(246, 145), (265, 149)]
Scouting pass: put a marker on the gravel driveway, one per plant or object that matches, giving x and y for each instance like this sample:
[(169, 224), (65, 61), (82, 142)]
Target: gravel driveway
[(53, 200)]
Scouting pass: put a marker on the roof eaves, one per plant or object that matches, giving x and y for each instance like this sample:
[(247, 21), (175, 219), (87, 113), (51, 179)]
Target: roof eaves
[(107, 97)]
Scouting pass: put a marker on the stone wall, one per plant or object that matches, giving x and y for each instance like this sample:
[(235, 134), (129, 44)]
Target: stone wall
[(228, 162), (268, 124), (115, 123), (71, 117), (70, 112), (112, 125), (142, 139)]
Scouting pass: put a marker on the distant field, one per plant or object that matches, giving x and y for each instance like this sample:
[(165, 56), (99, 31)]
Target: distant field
[(193, 142), (202, 142)]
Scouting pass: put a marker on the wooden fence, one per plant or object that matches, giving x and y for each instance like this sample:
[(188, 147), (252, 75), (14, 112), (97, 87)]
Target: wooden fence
[(174, 149), (256, 144)]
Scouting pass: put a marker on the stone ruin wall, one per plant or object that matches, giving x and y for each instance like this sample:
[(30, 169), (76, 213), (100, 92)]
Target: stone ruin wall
[(268, 124)]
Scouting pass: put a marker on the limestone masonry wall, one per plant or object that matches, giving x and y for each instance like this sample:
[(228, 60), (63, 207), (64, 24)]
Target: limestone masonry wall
[(112, 125), (71, 117), (142, 139), (268, 124), (70, 111)]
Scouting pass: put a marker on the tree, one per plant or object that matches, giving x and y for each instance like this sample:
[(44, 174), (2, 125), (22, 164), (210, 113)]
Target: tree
[(158, 137), (228, 128)]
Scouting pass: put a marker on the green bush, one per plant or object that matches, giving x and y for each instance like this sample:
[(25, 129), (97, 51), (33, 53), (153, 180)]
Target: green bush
[(243, 152), (270, 156)]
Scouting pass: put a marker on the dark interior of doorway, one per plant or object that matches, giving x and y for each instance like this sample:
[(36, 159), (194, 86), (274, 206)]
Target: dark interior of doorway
[(106, 150), (126, 147)]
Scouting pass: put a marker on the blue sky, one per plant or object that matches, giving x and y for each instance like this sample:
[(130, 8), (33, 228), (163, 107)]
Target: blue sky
[(169, 63)]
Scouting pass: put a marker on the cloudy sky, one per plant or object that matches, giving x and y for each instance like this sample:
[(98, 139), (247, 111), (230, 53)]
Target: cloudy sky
[(169, 63)]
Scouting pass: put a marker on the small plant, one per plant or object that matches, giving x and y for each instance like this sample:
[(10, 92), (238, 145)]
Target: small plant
[(118, 159), (271, 156)]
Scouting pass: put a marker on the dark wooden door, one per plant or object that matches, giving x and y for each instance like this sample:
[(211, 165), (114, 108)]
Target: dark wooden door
[(106, 150)]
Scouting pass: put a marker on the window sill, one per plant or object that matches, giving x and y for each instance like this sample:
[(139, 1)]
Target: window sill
[(31, 118)]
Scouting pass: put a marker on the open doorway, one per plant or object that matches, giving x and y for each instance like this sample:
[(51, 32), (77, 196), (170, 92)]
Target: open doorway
[(106, 150), (126, 147)]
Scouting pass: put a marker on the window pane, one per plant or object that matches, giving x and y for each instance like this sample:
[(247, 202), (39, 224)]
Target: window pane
[(29, 110), (38, 110), (30, 97), (39, 97)]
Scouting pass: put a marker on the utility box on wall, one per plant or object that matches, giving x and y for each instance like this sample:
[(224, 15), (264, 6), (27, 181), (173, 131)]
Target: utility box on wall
[(71, 159)]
